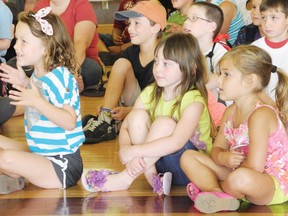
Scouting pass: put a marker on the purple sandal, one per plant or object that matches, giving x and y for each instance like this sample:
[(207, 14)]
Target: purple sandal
[(94, 180), (162, 183)]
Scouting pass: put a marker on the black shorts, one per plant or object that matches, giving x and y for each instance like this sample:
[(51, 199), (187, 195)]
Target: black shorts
[(68, 168)]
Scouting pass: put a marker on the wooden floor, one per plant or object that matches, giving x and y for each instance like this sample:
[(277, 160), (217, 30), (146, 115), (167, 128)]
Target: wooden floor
[(138, 200)]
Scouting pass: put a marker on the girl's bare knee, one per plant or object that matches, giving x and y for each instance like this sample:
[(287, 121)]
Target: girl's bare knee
[(165, 124), (187, 158), (238, 179), (6, 159)]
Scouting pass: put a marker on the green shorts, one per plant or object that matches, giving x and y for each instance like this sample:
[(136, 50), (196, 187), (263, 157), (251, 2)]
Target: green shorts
[(279, 195)]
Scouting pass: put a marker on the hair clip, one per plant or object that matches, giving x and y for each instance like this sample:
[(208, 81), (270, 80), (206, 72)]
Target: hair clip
[(46, 27)]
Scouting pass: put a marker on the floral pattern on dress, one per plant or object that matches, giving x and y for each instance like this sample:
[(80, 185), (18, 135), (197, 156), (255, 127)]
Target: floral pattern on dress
[(237, 137), (276, 163)]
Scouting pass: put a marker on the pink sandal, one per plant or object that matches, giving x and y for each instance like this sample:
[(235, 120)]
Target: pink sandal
[(192, 191), (211, 202), (94, 180), (162, 183)]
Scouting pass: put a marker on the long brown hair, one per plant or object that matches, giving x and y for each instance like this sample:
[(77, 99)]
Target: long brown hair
[(184, 49)]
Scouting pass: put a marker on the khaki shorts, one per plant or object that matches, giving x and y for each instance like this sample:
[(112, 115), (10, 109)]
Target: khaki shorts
[(132, 100)]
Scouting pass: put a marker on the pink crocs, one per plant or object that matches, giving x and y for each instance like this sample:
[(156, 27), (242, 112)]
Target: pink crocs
[(211, 202), (192, 191)]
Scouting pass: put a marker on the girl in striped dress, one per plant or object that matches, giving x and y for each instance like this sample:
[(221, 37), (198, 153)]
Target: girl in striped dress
[(52, 120)]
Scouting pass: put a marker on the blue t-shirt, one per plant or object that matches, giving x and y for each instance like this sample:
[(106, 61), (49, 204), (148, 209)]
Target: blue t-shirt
[(6, 18), (58, 87)]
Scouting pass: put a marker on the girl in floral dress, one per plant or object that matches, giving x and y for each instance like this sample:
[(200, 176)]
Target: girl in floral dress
[(249, 158)]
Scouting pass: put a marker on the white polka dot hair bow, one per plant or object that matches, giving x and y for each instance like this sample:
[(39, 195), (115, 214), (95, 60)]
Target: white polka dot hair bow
[(46, 27)]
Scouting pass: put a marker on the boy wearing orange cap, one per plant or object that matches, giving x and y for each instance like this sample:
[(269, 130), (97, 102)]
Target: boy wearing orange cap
[(131, 73)]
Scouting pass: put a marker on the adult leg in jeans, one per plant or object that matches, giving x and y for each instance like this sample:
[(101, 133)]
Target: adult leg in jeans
[(6, 110), (91, 72)]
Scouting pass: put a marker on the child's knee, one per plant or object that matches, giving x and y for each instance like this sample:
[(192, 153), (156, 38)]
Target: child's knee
[(165, 124), (138, 115), (239, 178), (6, 159), (187, 158)]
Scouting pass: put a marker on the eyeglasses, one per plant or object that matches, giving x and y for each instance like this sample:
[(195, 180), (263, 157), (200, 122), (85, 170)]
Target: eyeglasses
[(195, 18)]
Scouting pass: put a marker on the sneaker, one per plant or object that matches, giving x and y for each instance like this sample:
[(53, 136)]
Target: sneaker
[(9, 184), (87, 119), (97, 131)]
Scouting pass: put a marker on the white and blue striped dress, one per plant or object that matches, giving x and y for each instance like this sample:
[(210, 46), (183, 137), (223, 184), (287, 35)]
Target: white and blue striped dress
[(236, 23), (58, 87)]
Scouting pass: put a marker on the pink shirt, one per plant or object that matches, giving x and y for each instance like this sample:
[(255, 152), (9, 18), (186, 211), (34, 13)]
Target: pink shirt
[(276, 163)]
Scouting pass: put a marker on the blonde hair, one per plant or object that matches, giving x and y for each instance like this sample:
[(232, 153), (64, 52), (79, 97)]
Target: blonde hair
[(250, 59), (59, 47), (184, 50)]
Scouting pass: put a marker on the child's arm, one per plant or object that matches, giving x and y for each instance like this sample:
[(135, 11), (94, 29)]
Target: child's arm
[(64, 117), (221, 153), (229, 12), (170, 144), (83, 35), (262, 122)]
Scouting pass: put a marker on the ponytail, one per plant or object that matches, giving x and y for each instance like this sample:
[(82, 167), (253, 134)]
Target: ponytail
[(282, 96)]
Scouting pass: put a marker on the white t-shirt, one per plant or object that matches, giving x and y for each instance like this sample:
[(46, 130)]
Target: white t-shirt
[(279, 57)]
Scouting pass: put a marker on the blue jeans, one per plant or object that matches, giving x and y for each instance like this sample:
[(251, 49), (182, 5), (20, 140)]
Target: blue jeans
[(91, 72), (6, 109), (107, 39), (171, 163)]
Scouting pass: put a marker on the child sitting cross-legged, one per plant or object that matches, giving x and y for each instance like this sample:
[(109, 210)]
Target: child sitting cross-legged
[(249, 158), (169, 117)]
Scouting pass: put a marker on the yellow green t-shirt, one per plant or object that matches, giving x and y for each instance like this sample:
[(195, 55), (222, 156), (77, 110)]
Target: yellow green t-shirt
[(201, 137)]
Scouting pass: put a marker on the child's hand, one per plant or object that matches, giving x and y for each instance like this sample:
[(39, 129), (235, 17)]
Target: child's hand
[(119, 113), (13, 76), (118, 39), (233, 159), (24, 96), (174, 28), (135, 167)]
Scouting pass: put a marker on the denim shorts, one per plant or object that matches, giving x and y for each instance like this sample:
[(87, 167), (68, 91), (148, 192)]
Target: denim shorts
[(171, 163)]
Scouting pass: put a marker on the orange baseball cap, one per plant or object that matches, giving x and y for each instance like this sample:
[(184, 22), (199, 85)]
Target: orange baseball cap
[(153, 10)]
